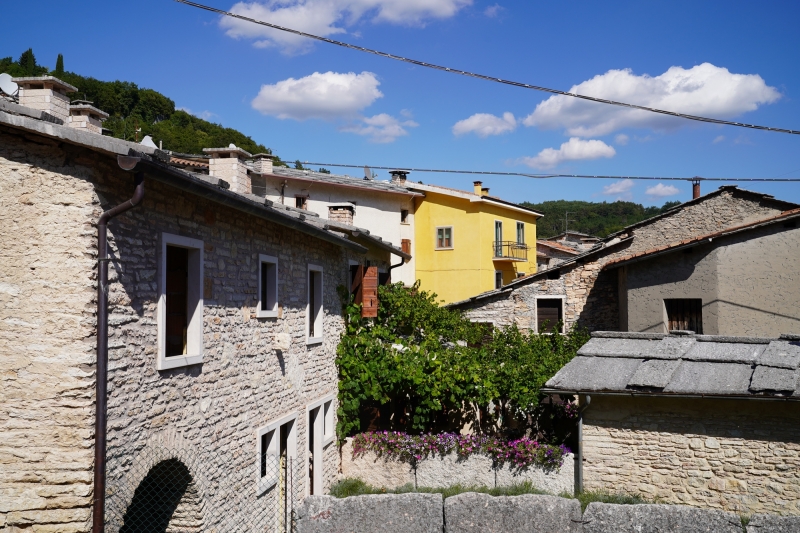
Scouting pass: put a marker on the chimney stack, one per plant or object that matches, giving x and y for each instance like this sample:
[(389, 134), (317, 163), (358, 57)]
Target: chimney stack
[(229, 164), (47, 94), (696, 187), (84, 115), (476, 187), (399, 176), (262, 163), (485, 191)]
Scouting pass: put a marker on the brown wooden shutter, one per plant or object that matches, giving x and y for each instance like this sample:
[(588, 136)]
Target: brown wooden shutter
[(369, 304), (405, 244), (356, 284)]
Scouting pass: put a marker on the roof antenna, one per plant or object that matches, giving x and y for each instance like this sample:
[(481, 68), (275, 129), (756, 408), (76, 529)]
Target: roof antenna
[(8, 87), (367, 173)]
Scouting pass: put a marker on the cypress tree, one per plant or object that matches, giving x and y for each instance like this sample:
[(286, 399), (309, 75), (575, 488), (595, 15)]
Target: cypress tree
[(60, 65)]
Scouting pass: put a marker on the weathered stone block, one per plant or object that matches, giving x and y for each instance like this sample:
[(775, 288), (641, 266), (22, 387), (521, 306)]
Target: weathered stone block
[(656, 518), (766, 523), (398, 513), (481, 513)]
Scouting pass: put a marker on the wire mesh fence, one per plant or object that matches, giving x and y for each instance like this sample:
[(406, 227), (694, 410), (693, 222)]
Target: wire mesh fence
[(174, 491)]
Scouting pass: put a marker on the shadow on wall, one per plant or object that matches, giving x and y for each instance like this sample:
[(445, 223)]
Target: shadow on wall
[(157, 498), (601, 311)]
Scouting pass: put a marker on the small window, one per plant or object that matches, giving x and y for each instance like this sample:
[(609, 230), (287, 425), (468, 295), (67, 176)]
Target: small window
[(276, 445), (520, 233), (684, 314), (498, 279), (267, 287), (520, 274), (320, 434), (301, 202), (404, 216), (549, 315), (180, 302), (444, 238), (314, 311)]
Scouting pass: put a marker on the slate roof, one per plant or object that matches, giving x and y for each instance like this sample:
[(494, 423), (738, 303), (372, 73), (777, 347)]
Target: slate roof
[(559, 247), (336, 179), (683, 363)]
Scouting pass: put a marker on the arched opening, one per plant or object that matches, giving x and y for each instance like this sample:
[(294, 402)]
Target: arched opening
[(165, 501)]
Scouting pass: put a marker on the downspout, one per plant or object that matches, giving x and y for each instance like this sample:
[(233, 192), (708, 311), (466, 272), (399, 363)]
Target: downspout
[(401, 263), (101, 376), (579, 455)]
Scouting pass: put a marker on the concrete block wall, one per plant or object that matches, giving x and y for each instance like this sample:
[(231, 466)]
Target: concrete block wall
[(85, 121), (481, 513), (48, 100)]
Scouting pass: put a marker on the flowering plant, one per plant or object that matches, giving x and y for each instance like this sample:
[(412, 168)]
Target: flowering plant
[(519, 453)]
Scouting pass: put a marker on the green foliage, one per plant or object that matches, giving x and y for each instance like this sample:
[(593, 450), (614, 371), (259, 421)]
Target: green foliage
[(595, 218), (324, 170), (298, 165), (132, 108), (355, 487), (602, 496), (430, 364)]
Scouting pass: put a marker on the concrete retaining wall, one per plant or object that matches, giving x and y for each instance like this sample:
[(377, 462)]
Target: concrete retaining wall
[(481, 513), (448, 470)]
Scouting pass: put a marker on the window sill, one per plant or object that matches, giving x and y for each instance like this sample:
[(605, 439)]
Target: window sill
[(314, 340), (166, 363), (265, 484), (438, 249), (328, 440), (405, 223), (266, 314)]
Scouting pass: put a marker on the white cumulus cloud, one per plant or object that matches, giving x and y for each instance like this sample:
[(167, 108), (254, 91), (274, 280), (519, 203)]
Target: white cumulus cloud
[(326, 95), (718, 139), (621, 139), (382, 128), (572, 150), (705, 90), (485, 124), (621, 187), (662, 191), (327, 17)]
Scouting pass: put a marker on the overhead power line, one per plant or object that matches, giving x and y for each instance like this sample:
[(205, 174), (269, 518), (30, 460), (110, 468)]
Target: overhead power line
[(547, 176), (483, 76)]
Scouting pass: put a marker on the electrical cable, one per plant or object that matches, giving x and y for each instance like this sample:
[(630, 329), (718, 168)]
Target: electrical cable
[(546, 176), (485, 77)]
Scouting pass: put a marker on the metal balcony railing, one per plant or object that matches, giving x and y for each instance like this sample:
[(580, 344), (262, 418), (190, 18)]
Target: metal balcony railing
[(510, 250)]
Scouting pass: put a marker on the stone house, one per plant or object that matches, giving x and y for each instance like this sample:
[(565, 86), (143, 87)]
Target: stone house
[(550, 254), (704, 420), (223, 320), (581, 291), (576, 240), (739, 281)]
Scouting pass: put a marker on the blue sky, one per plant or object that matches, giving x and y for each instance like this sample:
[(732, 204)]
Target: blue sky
[(317, 102)]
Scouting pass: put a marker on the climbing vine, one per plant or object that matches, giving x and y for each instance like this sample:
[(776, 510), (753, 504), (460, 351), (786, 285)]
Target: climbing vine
[(427, 368)]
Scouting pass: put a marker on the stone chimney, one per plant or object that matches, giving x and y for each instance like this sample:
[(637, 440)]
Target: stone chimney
[(485, 191), (83, 115), (341, 213), (262, 163), (229, 164), (476, 187), (47, 94), (399, 176), (696, 187)]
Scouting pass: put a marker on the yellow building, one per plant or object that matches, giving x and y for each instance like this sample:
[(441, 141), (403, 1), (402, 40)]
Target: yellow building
[(469, 242)]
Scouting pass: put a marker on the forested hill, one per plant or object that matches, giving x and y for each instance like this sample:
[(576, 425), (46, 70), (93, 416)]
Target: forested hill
[(132, 108), (595, 218)]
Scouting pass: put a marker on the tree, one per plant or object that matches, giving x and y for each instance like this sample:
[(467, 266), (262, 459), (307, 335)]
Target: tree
[(298, 165), (28, 62), (60, 65), (324, 170)]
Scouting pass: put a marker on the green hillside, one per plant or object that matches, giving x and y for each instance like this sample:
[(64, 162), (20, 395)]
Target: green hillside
[(133, 108), (595, 218)]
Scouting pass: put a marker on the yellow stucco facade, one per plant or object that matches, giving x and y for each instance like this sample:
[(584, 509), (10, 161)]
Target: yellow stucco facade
[(470, 262)]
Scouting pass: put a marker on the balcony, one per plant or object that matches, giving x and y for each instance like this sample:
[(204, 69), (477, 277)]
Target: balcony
[(510, 251)]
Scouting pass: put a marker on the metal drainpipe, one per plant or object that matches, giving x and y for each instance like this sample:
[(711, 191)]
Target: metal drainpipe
[(101, 376), (579, 455)]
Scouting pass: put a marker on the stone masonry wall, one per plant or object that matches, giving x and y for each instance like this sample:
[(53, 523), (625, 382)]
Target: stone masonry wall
[(206, 414), (733, 455), (591, 293), (47, 293)]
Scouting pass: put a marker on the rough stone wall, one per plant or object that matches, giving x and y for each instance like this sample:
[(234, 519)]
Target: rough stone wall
[(206, 414), (47, 293), (592, 298), (734, 455), (341, 214)]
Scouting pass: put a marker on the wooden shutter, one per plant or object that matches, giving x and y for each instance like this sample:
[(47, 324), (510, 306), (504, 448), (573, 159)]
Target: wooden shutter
[(369, 283), (405, 244), (356, 283), (685, 314)]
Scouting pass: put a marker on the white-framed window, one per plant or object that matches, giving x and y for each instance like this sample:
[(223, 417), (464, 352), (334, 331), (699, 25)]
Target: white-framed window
[(520, 233), (444, 238), (314, 308), (267, 287), (320, 433), (180, 302), (549, 312), (498, 279), (276, 443)]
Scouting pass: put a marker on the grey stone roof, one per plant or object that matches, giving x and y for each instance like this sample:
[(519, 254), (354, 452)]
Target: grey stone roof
[(336, 179), (683, 364)]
